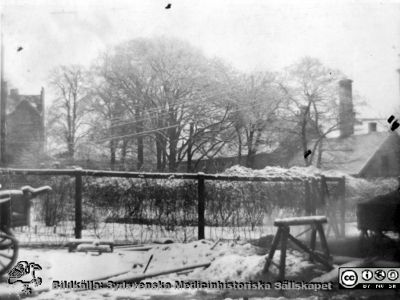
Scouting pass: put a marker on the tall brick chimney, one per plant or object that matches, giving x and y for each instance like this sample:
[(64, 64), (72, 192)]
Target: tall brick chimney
[(346, 111)]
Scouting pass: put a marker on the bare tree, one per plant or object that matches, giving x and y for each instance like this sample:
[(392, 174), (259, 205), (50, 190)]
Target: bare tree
[(67, 113), (168, 90), (312, 105), (107, 109), (257, 99)]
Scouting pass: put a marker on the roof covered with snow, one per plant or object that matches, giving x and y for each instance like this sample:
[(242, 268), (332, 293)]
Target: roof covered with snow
[(348, 155)]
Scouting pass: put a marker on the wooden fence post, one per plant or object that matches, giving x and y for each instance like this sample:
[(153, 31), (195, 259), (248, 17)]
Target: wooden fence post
[(323, 191), (78, 204), (313, 202), (200, 205), (307, 195)]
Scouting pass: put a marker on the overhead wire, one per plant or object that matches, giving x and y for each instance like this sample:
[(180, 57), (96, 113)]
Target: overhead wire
[(166, 114), (247, 107), (157, 110)]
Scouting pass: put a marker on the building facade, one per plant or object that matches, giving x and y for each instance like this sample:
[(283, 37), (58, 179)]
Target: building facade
[(25, 129)]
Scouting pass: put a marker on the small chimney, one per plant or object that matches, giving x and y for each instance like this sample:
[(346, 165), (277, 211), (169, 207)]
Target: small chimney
[(372, 127), (346, 112), (40, 105), (14, 93)]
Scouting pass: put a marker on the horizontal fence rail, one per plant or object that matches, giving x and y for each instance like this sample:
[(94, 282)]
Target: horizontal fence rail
[(309, 184), (96, 173)]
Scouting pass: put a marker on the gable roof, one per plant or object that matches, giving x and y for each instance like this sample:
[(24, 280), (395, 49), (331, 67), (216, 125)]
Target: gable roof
[(25, 103), (389, 149), (34, 101), (348, 155)]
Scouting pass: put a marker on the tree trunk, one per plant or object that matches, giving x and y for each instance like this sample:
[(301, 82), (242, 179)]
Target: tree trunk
[(71, 150), (189, 150), (123, 153), (158, 152), (304, 143), (164, 157), (140, 144), (140, 158), (319, 158), (173, 141), (112, 154), (239, 146), (250, 150), (172, 156), (304, 133)]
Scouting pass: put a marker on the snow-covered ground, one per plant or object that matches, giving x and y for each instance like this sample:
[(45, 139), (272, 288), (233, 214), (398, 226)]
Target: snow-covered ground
[(230, 261)]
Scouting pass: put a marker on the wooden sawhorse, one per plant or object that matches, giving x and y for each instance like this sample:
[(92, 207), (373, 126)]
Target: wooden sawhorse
[(283, 235)]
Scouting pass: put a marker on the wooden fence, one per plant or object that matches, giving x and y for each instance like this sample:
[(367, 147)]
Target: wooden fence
[(310, 203)]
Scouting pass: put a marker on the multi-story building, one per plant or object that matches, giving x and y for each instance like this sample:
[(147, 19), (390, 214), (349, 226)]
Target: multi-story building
[(25, 129)]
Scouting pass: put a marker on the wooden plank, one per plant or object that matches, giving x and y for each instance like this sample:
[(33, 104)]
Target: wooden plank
[(271, 253), (256, 179), (34, 192), (88, 241), (93, 248), (301, 220), (101, 173), (148, 264), (96, 173), (303, 232), (9, 193), (312, 254), (313, 239), (282, 261), (144, 248), (4, 200), (322, 238), (50, 172), (215, 244)]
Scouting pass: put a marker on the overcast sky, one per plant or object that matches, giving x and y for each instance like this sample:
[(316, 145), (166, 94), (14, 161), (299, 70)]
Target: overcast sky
[(361, 38)]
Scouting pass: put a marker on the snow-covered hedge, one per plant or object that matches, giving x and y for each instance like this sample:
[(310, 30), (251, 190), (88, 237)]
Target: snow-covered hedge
[(357, 189), (174, 202)]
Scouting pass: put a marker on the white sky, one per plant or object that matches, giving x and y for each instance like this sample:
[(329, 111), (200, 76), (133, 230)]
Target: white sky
[(361, 38)]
